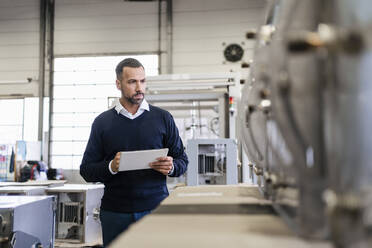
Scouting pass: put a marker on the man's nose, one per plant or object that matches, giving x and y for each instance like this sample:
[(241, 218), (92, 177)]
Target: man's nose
[(138, 86)]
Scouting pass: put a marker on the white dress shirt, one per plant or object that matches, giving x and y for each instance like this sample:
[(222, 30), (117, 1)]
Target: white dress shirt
[(121, 110)]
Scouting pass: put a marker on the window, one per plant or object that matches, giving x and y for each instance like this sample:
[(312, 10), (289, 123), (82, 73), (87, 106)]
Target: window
[(11, 121), (19, 119), (81, 91)]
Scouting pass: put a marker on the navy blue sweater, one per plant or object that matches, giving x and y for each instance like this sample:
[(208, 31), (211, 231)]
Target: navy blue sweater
[(136, 190)]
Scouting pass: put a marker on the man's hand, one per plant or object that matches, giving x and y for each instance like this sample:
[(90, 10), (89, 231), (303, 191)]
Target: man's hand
[(115, 163), (163, 164)]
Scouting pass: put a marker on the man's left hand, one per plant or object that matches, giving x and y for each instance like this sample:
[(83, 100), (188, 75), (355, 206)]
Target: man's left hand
[(163, 164)]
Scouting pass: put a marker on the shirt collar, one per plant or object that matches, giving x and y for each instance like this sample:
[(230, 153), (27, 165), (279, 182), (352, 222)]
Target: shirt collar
[(144, 105)]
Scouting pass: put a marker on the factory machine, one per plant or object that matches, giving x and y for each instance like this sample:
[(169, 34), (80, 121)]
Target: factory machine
[(22, 190), (306, 116), (78, 213), (212, 161), (27, 221)]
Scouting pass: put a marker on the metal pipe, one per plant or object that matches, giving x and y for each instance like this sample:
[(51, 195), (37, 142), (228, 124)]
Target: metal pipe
[(23, 120), (159, 36), (227, 117), (41, 67), (170, 36), (51, 8)]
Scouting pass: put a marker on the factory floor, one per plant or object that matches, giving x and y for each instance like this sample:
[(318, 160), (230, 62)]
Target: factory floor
[(213, 216)]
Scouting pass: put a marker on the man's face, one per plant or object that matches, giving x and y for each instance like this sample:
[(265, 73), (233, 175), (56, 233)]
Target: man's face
[(132, 85)]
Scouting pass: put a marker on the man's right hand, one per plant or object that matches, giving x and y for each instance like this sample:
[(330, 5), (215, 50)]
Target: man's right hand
[(115, 163)]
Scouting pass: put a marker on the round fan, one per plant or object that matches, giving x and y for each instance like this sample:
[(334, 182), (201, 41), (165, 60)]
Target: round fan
[(233, 53)]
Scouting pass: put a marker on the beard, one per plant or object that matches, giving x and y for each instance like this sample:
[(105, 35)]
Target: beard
[(136, 101)]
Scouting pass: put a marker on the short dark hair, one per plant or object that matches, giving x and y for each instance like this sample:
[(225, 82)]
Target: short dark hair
[(128, 62)]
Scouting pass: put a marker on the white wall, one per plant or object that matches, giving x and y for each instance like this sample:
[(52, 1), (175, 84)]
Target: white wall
[(98, 27), (19, 46), (105, 26), (202, 26), (200, 30)]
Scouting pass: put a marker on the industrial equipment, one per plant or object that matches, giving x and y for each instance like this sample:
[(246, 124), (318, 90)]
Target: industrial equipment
[(272, 145), (27, 221), (212, 161), (202, 104), (305, 117), (78, 213), (23, 190)]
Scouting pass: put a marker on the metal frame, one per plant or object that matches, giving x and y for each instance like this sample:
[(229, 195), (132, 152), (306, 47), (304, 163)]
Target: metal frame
[(193, 154), (29, 219), (86, 199)]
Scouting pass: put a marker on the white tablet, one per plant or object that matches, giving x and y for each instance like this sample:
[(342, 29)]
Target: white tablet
[(138, 160)]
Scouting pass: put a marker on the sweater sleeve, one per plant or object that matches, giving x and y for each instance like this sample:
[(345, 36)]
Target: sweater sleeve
[(93, 167), (176, 148)]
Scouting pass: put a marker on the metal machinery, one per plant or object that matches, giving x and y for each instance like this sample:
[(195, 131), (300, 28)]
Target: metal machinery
[(22, 190), (194, 98), (27, 221), (200, 106), (306, 116), (203, 107), (78, 213), (212, 161)]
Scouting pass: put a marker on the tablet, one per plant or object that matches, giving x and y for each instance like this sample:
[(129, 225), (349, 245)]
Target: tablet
[(139, 160)]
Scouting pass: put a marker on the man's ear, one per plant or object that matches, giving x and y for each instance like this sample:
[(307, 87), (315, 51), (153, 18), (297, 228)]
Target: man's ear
[(118, 84)]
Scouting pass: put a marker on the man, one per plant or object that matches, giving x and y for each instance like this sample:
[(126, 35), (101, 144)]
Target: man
[(132, 125)]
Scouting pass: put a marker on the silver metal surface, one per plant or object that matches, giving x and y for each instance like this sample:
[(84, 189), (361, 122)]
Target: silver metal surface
[(42, 62), (77, 209), (169, 35), (310, 141), (22, 190), (212, 161), (32, 215)]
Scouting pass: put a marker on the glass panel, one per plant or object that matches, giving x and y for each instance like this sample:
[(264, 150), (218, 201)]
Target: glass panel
[(66, 162), (61, 148), (79, 148), (81, 90), (31, 119), (63, 162), (62, 120), (81, 105), (85, 91), (84, 119), (70, 133), (11, 112), (61, 133), (81, 133), (68, 148), (76, 162), (152, 71), (83, 77), (9, 134), (46, 115), (73, 119), (65, 64)]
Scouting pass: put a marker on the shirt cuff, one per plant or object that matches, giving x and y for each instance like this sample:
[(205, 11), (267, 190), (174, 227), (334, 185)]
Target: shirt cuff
[(171, 171), (112, 172)]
